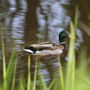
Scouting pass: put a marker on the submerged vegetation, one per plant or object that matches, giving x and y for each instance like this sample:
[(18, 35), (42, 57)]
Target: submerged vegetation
[(72, 79)]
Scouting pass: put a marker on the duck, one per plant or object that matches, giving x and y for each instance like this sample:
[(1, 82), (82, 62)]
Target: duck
[(49, 48)]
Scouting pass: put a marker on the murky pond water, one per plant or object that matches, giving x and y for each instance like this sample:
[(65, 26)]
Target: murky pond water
[(26, 22)]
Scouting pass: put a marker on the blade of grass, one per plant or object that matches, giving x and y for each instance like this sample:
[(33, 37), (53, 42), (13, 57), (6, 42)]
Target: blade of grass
[(70, 75), (35, 75), (70, 78), (11, 65), (42, 83), (10, 68), (29, 75), (61, 77), (61, 74), (51, 84), (12, 58), (82, 72), (76, 18), (72, 47), (4, 63), (13, 81), (22, 83), (83, 63)]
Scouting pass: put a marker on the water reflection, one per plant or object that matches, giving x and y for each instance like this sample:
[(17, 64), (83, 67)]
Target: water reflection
[(79, 38), (52, 16), (48, 66), (15, 21), (25, 22)]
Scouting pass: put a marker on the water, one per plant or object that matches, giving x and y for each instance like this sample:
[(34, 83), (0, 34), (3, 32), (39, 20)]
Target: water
[(26, 22)]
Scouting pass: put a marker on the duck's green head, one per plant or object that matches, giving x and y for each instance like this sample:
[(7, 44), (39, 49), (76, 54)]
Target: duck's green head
[(63, 35)]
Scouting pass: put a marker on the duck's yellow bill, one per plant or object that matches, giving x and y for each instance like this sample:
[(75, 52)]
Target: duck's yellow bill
[(71, 36)]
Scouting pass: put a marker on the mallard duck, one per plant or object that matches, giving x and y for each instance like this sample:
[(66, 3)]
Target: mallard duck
[(48, 48)]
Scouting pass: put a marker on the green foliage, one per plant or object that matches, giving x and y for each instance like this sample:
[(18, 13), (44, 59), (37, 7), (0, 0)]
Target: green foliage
[(9, 72)]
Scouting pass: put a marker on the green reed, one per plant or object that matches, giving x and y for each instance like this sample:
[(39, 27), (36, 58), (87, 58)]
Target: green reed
[(9, 71), (29, 75), (4, 63), (35, 76)]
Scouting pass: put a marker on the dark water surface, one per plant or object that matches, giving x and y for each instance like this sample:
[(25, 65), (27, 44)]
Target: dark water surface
[(26, 22)]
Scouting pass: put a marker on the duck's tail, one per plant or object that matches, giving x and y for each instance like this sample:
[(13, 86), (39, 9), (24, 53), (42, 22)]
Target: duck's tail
[(29, 51)]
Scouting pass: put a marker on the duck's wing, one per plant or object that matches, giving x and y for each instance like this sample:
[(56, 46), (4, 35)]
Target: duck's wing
[(49, 46), (42, 46), (50, 52), (38, 47)]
